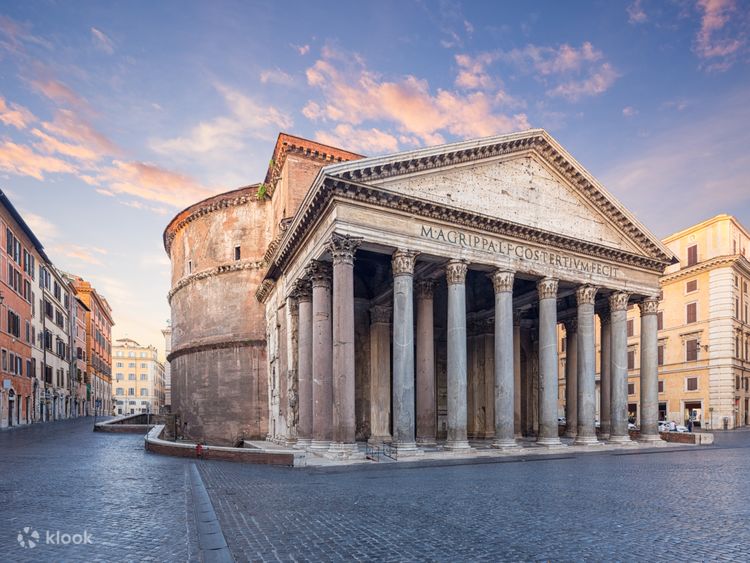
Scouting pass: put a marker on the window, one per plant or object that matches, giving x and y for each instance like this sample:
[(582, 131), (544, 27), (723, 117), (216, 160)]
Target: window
[(691, 313), (661, 386), (143, 366), (119, 391), (144, 377), (691, 350), (660, 355), (237, 253), (14, 324), (691, 384), (631, 359), (563, 344), (737, 382), (144, 392), (631, 388), (691, 286), (190, 267), (119, 364), (131, 377), (631, 328), (131, 364), (660, 320), (131, 391), (120, 376), (692, 255)]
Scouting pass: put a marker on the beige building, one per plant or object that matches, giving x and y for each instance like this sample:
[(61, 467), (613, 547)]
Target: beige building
[(704, 335), (138, 382)]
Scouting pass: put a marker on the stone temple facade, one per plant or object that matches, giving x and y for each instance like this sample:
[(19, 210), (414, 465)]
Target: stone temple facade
[(412, 298)]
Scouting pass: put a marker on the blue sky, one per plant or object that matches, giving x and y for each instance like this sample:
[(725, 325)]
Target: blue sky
[(115, 115)]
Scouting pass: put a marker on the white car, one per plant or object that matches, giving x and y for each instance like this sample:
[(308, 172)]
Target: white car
[(663, 427), (681, 428)]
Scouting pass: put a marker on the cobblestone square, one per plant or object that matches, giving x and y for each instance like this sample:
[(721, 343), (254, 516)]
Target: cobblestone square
[(687, 504)]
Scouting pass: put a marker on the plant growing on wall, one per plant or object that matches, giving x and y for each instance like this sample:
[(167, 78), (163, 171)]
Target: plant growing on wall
[(262, 189)]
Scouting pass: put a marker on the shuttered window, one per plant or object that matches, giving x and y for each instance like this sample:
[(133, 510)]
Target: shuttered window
[(691, 312), (691, 286), (661, 386), (692, 383), (691, 351), (631, 359), (631, 329), (692, 255), (631, 388), (660, 355), (660, 320)]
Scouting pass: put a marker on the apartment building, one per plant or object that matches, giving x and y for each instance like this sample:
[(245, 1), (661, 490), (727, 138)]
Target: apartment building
[(138, 385)]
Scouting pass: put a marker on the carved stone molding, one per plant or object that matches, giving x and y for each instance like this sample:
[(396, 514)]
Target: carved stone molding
[(343, 247), (649, 306), (547, 288), (424, 288), (380, 314), (403, 262), (586, 294), (264, 290), (219, 270), (455, 272), (302, 291), (618, 301), (319, 273), (571, 326), (502, 281)]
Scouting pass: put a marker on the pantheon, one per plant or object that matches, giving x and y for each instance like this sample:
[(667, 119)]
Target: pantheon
[(413, 299)]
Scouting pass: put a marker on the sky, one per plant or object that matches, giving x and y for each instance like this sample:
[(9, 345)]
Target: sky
[(116, 115)]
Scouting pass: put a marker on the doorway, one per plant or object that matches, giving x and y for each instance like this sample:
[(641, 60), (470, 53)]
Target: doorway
[(693, 411)]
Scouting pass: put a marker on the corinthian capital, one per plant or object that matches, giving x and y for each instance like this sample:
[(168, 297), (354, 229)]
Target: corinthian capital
[(380, 314), (547, 288), (403, 262), (424, 288), (455, 272), (502, 281), (649, 306), (586, 294), (302, 290), (618, 301), (319, 273), (343, 247)]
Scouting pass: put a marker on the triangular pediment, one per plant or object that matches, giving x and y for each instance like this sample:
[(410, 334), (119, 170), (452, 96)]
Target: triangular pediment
[(524, 178)]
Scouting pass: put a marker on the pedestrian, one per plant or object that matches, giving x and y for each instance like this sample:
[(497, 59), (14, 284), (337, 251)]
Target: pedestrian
[(690, 424)]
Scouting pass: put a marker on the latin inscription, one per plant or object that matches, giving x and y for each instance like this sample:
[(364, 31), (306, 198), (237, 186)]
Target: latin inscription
[(519, 251)]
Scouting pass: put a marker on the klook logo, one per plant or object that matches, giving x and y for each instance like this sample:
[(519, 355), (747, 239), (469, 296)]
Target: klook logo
[(29, 538)]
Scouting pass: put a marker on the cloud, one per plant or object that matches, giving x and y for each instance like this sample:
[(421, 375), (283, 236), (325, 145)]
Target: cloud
[(629, 111), (42, 228), (102, 41), (150, 182), (597, 83), (301, 49), (84, 254), (51, 145), (247, 118), (716, 15), (73, 127), (15, 115), (635, 13), (472, 73), (366, 141), (276, 76), (353, 94), (23, 161), (59, 92)]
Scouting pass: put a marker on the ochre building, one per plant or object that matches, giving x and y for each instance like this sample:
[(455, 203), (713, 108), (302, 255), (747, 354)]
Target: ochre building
[(412, 298)]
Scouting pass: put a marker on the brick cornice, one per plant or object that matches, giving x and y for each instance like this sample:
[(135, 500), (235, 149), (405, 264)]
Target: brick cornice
[(217, 345)]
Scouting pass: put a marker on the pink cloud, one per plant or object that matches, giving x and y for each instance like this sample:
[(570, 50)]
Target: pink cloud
[(716, 15), (635, 13), (472, 73), (352, 94), (58, 92), (366, 141), (50, 144), (151, 182), (23, 161), (597, 83), (15, 115), (71, 126)]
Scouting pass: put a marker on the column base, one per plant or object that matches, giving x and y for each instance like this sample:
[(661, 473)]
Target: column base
[(586, 441), (571, 434), (620, 440), (385, 439), (320, 445), (342, 451), (407, 449), (302, 443), (506, 444), (458, 446), (550, 442), (427, 441), (649, 438)]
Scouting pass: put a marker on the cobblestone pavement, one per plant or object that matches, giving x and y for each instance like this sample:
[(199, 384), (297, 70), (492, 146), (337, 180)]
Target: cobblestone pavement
[(62, 476), (689, 504)]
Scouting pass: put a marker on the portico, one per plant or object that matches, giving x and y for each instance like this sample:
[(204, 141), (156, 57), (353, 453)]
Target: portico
[(465, 258)]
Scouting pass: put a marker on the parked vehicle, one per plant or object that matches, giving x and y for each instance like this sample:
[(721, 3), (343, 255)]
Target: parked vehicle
[(681, 428)]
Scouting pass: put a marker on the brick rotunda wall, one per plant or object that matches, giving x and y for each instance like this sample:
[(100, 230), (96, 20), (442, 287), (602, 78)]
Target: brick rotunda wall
[(218, 359)]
